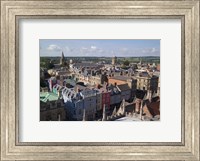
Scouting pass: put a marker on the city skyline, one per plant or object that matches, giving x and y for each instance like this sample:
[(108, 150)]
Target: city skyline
[(99, 48)]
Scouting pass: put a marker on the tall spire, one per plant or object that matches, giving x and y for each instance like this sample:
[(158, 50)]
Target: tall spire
[(121, 110), (114, 111), (84, 119), (63, 55), (123, 107), (62, 59), (104, 113)]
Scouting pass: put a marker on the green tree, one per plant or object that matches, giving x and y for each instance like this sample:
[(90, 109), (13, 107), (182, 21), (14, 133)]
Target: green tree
[(50, 65), (126, 63)]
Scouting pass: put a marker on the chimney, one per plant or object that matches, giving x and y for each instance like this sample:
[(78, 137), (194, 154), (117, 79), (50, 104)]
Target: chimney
[(76, 89)]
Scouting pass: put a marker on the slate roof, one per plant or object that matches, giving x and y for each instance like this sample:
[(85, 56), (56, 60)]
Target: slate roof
[(123, 87)]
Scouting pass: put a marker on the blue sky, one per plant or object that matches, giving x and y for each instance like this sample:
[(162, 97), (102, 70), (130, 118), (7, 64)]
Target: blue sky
[(99, 48)]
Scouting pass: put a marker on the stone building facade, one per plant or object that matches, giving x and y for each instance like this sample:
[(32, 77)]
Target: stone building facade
[(51, 107)]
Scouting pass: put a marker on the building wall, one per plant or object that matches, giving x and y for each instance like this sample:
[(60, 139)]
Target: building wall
[(147, 83), (143, 83), (158, 67), (115, 99), (99, 102), (74, 109), (106, 99), (95, 80), (132, 83), (52, 111), (126, 95), (114, 60), (154, 84)]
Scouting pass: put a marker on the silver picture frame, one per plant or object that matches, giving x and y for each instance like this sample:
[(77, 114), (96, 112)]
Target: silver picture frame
[(12, 11)]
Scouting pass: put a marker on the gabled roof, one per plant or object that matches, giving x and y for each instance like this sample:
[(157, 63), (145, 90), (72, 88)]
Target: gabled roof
[(123, 87)]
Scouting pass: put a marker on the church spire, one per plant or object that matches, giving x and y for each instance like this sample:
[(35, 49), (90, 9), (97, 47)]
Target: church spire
[(62, 55), (114, 111), (62, 59), (84, 118), (104, 113)]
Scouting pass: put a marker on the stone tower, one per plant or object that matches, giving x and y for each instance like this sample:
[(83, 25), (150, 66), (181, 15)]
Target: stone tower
[(114, 60), (62, 59)]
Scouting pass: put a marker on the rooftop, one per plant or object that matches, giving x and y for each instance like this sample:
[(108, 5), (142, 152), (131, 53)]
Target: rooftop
[(123, 78), (48, 96), (154, 108), (85, 64), (123, 87)]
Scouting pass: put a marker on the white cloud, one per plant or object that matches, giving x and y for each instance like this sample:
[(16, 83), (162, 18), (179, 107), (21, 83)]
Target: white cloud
[(100, 51), (67, 49), (93, 47), (54, 47), (84, 48), (124, 49), (153, 50), (150, 50)]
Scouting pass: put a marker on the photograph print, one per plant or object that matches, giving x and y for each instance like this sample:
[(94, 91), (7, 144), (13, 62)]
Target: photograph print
[(99, 80)]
